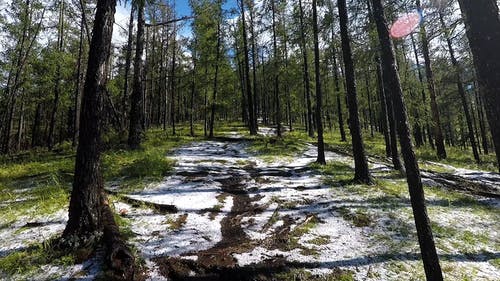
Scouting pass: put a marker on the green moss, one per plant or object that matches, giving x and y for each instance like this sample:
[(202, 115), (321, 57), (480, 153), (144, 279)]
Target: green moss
[(124, 226)]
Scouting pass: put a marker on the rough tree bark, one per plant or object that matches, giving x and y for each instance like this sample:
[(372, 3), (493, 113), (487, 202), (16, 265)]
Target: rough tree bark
[(252, 121), (276, 73), (483, 30), (89, 211), (424, 232), (438, 133), (361, 172), (307, 85), (319, 95), (136, 99), (128, 62)]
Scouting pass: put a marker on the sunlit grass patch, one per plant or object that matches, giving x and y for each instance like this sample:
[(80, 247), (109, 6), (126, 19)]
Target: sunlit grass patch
[(320, 240), (288, 146), (299, 231), (37, 202), (459, 158), (359, 218), (33, 257), (304, 275), (33, 167), (335, 171)]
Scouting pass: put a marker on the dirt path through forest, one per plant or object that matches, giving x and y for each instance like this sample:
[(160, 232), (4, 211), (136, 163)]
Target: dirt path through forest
[(227, 214), (242, 218)]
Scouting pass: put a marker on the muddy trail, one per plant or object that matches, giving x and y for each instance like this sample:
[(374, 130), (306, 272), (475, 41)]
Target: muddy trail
[(227, 214)]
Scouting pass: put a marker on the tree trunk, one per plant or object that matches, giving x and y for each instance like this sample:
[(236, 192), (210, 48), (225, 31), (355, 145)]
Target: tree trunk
[(383, 107), (438, 133), (483, 30), (362, 174), (276, 73), (128, 62), (216, 76), (173, 80), (287, 75), (89, 211), (337, 89), (35, 135), (254, 63), (396, 162), (136, 99), (368, 92), (461, 91), (20, 127), (424, 232), (424, 98), (252, 122), (307, 84), (57, 86), (193, 94), (319, 95), (482, 126), (78, 88)]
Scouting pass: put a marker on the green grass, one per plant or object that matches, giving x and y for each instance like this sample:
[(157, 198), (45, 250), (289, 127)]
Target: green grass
[(272, 147), (37, 202), (320, 240), (335, 171), (303, 275), (359, 218), (29, 260), (456, 156), (178, 223), (301, 230)]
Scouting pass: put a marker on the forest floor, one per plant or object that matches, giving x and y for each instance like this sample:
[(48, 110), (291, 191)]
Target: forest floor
[(233, 208)]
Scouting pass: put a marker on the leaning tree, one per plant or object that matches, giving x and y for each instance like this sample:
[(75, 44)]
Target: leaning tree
[(90, 216)]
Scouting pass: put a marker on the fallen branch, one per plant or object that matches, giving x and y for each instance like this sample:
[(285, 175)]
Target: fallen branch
[(161, 208), (451, 181)]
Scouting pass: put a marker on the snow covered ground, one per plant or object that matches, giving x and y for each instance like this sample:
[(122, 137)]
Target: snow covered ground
[(234, 204)]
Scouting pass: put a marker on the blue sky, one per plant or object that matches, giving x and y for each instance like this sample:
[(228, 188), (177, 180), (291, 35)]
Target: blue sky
[(182, 8)]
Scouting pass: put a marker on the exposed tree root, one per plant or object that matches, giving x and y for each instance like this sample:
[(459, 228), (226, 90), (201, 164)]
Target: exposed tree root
[(118, 256)]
